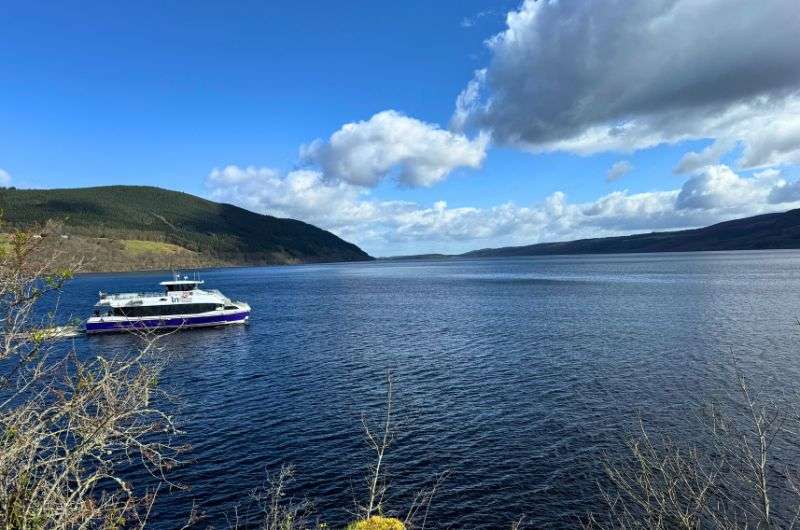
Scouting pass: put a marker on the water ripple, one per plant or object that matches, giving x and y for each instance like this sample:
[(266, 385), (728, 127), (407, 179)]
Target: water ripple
[(516, 375)]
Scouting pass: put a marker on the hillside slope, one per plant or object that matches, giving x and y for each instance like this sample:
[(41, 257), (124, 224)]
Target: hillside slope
[(221, 232), (769, 231)]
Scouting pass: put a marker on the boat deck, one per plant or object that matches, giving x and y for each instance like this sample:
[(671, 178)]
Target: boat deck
[(151, 294)]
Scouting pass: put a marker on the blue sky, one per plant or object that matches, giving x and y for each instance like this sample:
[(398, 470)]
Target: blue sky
[(159, 93), (217, 99)]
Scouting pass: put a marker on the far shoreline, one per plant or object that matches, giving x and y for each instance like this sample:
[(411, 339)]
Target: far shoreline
[(181, 269), (437, 258)]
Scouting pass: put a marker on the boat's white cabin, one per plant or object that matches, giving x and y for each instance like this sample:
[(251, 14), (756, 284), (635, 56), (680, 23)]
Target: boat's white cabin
[(181, 285)]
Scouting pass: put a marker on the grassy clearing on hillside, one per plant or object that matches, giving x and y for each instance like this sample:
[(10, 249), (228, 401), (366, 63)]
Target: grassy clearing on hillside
[(138, 246), (102, 254), (106, 254)]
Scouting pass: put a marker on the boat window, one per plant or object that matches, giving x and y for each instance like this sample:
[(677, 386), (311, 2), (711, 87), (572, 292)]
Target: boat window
[(163, 310), (231, 307), (181, 287)]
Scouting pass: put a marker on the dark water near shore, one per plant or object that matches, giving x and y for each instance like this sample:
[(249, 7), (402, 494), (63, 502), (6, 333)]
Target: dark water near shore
[(513, 374)]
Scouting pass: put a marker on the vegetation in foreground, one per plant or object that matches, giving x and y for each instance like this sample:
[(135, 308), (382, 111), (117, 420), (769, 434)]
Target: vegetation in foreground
[(745, 473), (69, 426)]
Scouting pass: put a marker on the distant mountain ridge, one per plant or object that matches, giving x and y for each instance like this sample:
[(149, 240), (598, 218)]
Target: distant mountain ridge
[(761, 232), (220, 232)]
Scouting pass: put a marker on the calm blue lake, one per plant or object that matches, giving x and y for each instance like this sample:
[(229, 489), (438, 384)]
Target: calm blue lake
[(516, 375)]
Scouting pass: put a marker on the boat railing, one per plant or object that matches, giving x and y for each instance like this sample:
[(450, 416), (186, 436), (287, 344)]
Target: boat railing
[(127, 296)]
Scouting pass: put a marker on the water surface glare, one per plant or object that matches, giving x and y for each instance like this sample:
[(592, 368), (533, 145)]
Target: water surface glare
[(513, 374)]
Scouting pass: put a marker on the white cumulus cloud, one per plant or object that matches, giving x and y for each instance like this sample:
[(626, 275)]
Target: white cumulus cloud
[(391, 144), (586, 77), (5, 177), (384, 228), (301, 194), (718, 187)]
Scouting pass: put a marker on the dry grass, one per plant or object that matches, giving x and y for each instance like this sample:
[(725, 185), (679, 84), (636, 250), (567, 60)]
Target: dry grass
[(377, 522), (138, 246), (99, 254)]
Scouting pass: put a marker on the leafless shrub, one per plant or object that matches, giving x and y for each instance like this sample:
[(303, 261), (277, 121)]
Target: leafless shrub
[(729, 482), (379, 440), (519, 523), (69, 425), (417, 516), (279, 512)]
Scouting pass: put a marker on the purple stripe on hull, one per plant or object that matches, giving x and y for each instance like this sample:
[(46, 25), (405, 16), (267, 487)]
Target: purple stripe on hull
[(167, 323)]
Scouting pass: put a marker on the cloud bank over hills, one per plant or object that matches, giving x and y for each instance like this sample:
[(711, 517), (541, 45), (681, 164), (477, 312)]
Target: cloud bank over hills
[(398, 227)]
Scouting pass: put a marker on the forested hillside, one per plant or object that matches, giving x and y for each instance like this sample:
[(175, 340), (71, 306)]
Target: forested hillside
[(216, 232), (768, 231)]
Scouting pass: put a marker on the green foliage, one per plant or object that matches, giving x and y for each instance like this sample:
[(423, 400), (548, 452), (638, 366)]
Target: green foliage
[(152, 214)]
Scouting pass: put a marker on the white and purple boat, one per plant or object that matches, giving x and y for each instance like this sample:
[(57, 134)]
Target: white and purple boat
[(182, 304)]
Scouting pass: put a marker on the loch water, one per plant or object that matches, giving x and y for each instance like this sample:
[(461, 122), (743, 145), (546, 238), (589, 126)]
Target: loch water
[(515, 375)]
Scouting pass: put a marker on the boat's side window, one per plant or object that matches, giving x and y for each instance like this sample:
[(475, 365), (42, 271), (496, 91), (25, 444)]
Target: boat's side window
[(231, 307), (187, 287), (163, 310)]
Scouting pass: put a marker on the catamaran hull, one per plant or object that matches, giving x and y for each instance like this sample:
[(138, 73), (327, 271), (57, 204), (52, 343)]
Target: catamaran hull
[(108, 325)]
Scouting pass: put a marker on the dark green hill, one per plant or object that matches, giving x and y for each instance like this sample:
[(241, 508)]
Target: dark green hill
[(769, 231), (221, 231)]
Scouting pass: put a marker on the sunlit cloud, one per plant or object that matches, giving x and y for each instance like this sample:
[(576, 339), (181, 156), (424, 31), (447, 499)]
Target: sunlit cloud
[(391, 144), (715, 193)]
